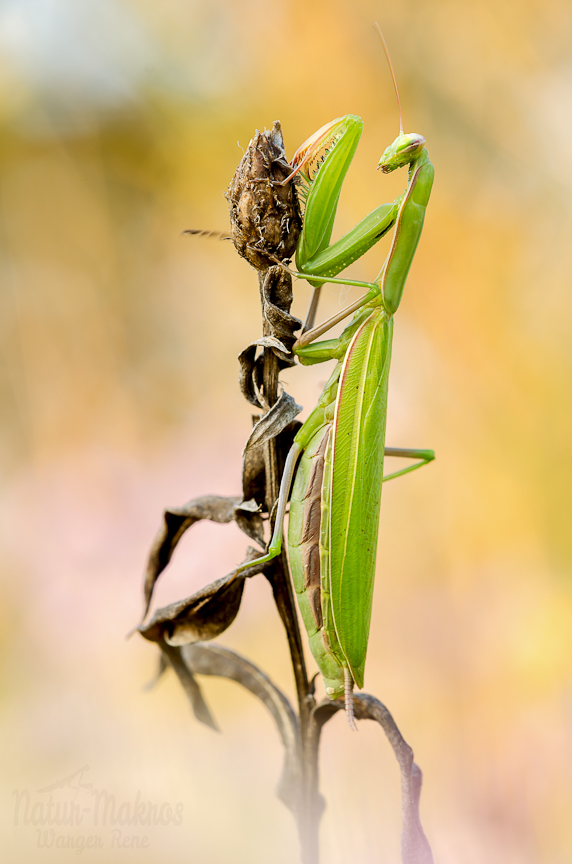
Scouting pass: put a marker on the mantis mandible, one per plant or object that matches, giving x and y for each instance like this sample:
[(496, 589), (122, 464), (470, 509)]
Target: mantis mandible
[(336, 461)]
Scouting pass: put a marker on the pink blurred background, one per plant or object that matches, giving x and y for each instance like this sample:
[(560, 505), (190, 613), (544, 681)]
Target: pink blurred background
[(122, 123)]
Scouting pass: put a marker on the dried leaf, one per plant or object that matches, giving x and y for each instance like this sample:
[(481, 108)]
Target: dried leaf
[(190, 686), (161, 669), (254, 474), (176, 521), (275, 421), (216, 660), (250, 376), (276, 297), (276, 302), (205, 614), (249, 520), (249, 506), (271, 342), (246, 376)]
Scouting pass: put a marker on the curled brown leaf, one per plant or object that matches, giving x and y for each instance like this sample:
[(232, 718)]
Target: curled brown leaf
[(205, 614)]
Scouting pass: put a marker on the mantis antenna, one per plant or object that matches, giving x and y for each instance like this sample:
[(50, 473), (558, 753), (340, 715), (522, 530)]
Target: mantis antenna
[(378, 28), (213, 235)]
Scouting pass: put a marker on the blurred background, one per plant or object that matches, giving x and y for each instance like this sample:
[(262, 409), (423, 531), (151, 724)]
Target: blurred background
[(122, 124)]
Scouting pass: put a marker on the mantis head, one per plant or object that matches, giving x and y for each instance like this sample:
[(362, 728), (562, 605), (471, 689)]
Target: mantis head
[(404, 150), (406, 147)]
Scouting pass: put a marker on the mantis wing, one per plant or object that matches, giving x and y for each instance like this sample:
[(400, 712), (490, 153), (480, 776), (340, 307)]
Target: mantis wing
[(357, 475)]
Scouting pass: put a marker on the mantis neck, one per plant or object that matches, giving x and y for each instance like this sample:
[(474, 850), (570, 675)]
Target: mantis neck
[(422, 159)]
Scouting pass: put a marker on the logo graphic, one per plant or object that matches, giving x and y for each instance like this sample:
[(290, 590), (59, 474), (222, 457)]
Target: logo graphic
[(73, 813)]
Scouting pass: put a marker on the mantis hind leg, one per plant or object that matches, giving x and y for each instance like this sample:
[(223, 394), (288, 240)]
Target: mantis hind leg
[(424, 457), (312, 309), (317, 278)]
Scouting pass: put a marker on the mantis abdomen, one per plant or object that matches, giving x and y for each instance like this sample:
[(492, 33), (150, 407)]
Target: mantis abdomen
[(338, 482), (308, 554)]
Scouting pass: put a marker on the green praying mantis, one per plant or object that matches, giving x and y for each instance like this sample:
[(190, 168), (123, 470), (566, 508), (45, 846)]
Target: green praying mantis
[(335, 466)]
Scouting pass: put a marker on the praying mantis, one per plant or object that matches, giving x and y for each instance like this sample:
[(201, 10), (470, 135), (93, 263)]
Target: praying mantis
[(335, 466)]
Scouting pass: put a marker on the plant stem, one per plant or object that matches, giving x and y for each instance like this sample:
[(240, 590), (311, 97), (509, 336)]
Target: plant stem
[(308, 808)]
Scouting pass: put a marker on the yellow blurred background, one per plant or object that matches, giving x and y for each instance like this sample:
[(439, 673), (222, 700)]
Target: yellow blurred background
[(122, 123)]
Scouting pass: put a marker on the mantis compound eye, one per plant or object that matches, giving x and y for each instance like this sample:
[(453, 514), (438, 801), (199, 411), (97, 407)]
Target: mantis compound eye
[(410, 144)]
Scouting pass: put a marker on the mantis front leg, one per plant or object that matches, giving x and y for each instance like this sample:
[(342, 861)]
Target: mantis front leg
[(319, 262)]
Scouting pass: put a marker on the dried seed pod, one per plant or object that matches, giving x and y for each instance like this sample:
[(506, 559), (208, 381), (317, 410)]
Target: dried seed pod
[(264, 216)]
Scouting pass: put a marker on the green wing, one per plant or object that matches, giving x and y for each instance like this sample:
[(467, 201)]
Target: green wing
[(357, 475)]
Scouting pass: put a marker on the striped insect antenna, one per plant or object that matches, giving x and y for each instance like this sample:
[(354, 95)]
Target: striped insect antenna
[(212, 235), (390, 64), (405, 147)]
